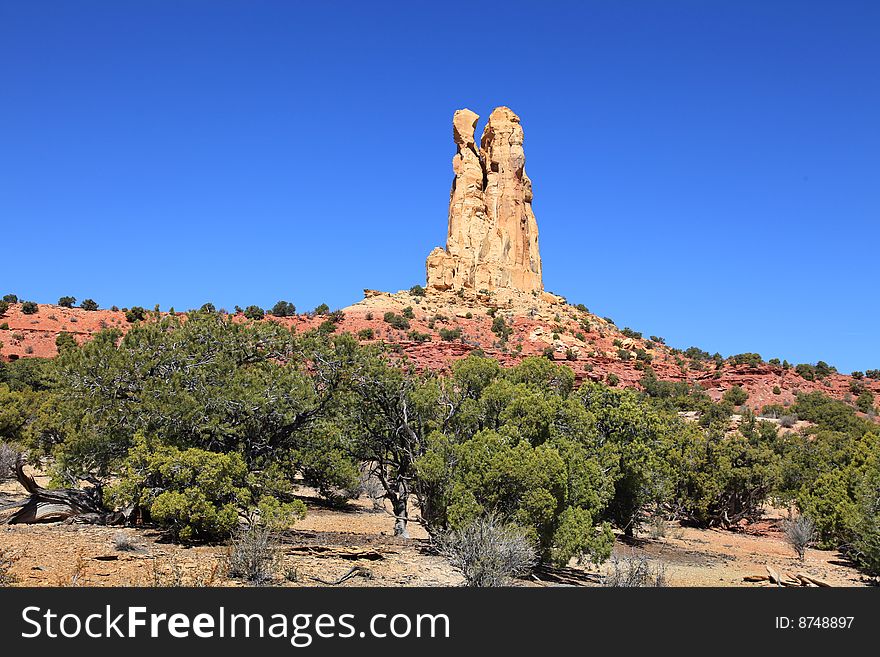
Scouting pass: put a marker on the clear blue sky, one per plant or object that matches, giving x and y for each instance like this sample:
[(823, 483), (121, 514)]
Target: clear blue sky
[(704, 171)]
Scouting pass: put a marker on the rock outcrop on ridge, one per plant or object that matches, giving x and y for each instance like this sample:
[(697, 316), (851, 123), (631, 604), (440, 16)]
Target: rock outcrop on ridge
[(492, 241)]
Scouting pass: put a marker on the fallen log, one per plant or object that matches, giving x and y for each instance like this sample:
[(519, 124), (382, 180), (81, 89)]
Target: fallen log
[(354, 571), (325, 551), (774, 576), (54, 505), (813, 580)]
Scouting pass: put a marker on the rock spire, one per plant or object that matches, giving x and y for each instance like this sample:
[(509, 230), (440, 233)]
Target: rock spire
[(492, 241)]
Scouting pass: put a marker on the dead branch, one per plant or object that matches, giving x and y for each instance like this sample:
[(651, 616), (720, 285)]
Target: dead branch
[(54, 505)]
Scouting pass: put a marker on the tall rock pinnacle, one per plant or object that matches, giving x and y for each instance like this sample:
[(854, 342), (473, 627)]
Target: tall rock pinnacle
[(492, 241)]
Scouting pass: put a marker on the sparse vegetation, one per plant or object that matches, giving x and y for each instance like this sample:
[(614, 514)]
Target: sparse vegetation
[(253, 554), (800, 534), (489, 553), (29, 307), (635, 572)]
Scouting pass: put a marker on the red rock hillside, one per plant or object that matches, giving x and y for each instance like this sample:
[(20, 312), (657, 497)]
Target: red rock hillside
[(445, 327)]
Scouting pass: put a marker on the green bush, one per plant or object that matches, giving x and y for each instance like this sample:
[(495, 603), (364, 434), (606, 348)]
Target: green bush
[(64, 341), (533, 487), (254, 312), (283, 309), (366, 334), (628, 332), (806, 371), (450, 335), (29, 307), (736, 396), (417, 291), (396, 321), (416, 336), (872, 374), (865, 402), (89, 304), (501, 328), (194, 494), (4, 306), (750, 359), (10, 298), (135, 314), (321, 309), (408, 312), (67, 302)]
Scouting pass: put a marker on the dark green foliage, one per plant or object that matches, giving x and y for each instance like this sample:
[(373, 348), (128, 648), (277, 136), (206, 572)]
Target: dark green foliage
[(628, 332), (750, 359), (415, 336), (501, 328), (695, 353), (728, 478), (89, 304), (4, 306), (283, 309), (194, 493), (208, 308), (865, 402), (857, 375), (64, 341), (582, 308), (872, 374), (624, 354), (29, 307), (396, 321), (135, 314), (736, 396), (450, 335), (254, 312), (67, 302), (417, 291), (612, 379), (366, 334), (10, 298), (408, 312), (321, 309), (806, 371)]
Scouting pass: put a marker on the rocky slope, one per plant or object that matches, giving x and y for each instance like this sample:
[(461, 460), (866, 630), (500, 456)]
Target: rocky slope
[(539, 325)]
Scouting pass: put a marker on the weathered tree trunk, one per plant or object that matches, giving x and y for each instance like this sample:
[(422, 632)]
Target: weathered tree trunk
[(399, 505), (47, 505)]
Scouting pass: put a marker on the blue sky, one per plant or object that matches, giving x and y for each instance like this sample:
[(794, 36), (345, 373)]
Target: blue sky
[(704, 171)]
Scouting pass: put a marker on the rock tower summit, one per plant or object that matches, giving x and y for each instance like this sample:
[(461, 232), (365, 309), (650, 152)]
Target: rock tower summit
[(492, 241)]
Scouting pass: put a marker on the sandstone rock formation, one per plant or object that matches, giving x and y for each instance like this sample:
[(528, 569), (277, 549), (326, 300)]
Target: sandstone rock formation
[(492, 241)]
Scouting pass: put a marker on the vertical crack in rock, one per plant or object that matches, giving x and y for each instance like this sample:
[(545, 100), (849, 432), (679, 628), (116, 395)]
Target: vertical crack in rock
[(492, 242)]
